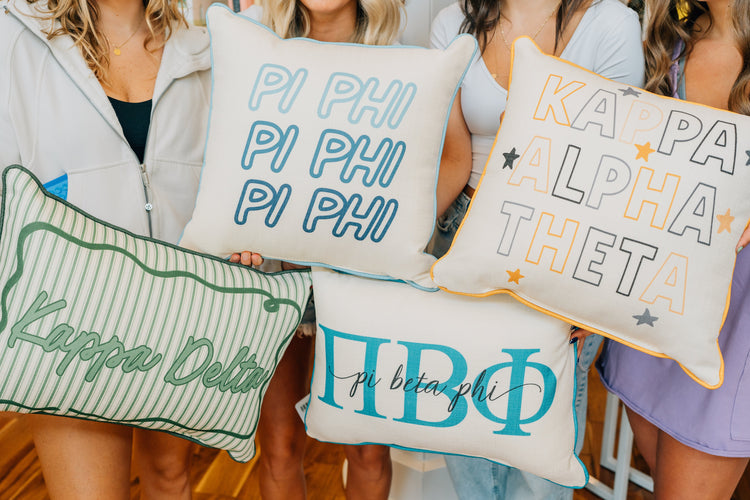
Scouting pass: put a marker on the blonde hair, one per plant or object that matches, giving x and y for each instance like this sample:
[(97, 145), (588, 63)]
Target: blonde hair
[(78, 19), (672, 21), (377, 22)]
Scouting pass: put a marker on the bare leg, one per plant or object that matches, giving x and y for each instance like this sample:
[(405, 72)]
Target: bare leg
[(684, 473), (83, 460), (281, 433), (163, 463), (369, 472), (645, 435)]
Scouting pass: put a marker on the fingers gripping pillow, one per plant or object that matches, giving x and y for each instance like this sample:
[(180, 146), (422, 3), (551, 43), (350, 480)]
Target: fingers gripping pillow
[(323, 153), (103, 325), (613, 208), (485, 377)]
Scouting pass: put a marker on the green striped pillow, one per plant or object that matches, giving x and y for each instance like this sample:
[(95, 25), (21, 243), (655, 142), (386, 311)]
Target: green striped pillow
[(100, 324)]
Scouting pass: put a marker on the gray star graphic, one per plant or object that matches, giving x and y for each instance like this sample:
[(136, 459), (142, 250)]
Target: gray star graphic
[(510, 157), (645, 318), (629, 91)]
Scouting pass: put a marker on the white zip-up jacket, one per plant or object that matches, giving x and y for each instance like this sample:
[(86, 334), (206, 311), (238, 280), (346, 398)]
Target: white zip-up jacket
[(55, 119)]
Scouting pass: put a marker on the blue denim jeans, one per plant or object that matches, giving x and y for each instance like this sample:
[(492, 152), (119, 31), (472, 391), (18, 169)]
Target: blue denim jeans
[(480, 479), (447, 225)]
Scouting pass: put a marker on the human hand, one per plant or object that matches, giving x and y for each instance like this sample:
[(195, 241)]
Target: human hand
[(288, 266), (579, 334), (246, 258), (744, 240)]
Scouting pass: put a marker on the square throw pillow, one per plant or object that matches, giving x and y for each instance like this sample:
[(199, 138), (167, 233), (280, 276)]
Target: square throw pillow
[(322, 153), (612, 208), (484, 377), (103, 325)]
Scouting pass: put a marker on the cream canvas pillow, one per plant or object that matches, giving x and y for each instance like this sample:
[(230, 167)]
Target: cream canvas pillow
[(103, 325), (322, 153), (485, 377), (609, 207)]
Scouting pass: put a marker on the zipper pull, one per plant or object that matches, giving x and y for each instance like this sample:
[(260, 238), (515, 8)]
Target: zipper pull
[(146, 187), (144, 176)]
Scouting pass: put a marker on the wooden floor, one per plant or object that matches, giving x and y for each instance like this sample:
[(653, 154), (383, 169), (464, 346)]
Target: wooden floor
[(218, 477)]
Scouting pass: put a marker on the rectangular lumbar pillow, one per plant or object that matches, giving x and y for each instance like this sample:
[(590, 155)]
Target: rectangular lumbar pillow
[(100, 324), (324, 153), (610, 207), (484, 377)]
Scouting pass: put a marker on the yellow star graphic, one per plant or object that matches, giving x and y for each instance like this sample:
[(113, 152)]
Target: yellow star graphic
[(725, 222), (643, 150), (514, 276)]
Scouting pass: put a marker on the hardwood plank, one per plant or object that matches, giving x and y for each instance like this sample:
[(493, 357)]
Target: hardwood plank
[(209, 496), (18, 464), (225, 476), (24, 480), (217, 477), (202, 459), (323, 464)]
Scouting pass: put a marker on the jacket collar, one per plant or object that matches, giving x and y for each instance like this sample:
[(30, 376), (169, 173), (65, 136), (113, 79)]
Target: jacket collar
[(186, 52)]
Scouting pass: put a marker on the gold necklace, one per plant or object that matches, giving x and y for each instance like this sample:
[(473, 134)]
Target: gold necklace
[(116, 48), (538, 30)]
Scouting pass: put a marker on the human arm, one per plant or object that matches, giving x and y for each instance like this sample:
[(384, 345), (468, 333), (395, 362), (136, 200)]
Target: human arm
[(247, 258), (455, 161), (579, 335), (744, 240)]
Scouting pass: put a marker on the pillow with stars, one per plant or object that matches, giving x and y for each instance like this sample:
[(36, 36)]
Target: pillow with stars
[(609, 207)]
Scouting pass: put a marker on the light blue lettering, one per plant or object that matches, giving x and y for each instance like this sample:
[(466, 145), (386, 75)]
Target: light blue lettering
[(274, 79), (388, 107)]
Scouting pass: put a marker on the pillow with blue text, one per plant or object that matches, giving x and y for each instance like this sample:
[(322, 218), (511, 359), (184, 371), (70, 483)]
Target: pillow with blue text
[(612, 208), (100, 324), (323, 153), (483, 377)]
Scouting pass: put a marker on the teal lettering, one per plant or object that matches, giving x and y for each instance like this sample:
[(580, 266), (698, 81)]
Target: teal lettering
[(518, 366), (412, 374), (371, 346)]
